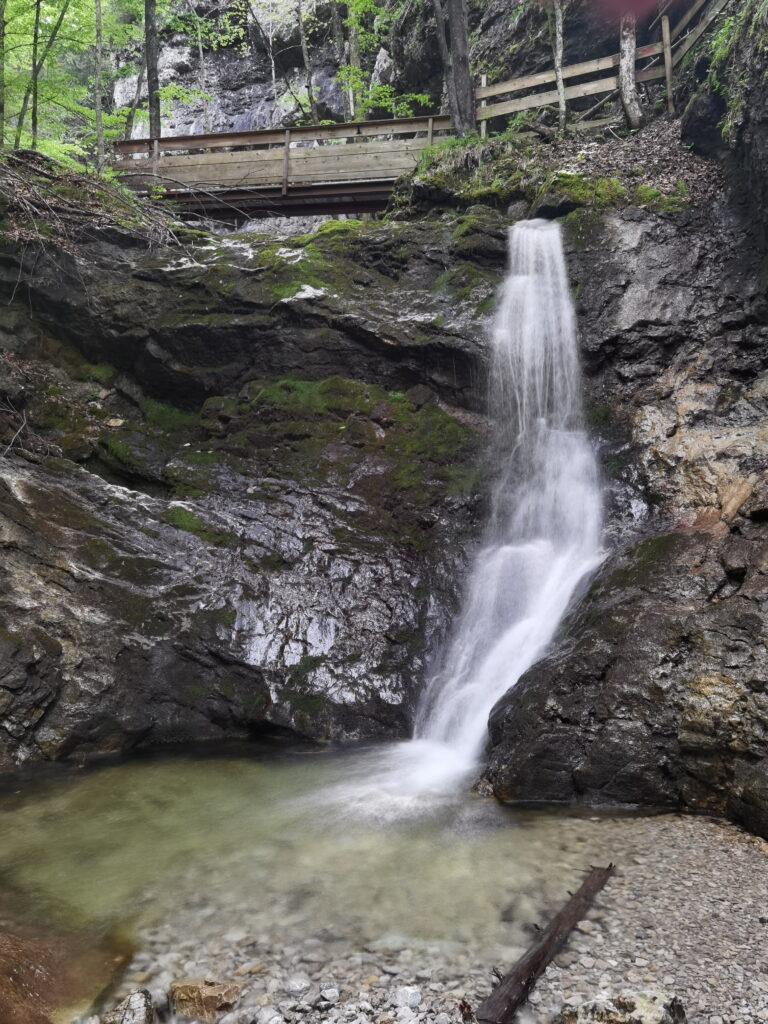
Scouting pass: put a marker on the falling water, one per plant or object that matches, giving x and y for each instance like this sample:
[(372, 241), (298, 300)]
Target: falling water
[(542, 538)]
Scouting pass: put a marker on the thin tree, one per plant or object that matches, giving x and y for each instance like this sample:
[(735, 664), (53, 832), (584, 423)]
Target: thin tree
[(453, 44), (340, 46), (129, 121), (627, 80), (37, 67), (97, 99), (3, 5), (557, 47), (307, 63), (201, 61), (151, 57), (35, 71)]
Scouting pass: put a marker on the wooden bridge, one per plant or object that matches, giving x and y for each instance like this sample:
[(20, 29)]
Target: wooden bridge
[(352, 167)]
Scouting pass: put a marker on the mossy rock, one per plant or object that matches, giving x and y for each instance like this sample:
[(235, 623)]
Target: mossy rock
[(184, 519), (400, 452)]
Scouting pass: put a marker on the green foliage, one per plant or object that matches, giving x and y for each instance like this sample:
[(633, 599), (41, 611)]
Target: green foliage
[(725, 73), (371, 19), (432, 155), (370, 98)]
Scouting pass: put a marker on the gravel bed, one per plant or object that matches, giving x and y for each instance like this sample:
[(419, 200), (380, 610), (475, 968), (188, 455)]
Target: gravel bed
[(686, 914)]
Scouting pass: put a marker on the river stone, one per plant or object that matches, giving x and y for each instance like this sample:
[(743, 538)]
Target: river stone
[(408, 996), (269, 1015), (136, 1008), (626, 1009), (203, 998), (298, 984)]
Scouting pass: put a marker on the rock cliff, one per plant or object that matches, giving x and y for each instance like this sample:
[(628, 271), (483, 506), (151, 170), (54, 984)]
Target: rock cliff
[(281, 553)]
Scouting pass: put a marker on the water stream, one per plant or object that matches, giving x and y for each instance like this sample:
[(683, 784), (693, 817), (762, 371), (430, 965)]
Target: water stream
[(541, 542)]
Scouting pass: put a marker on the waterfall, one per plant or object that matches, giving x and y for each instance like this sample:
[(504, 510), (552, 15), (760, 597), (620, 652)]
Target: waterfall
[(543, 534), (541, 541)]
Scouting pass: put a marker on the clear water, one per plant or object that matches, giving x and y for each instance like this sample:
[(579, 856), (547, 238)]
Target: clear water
[(179, 852)]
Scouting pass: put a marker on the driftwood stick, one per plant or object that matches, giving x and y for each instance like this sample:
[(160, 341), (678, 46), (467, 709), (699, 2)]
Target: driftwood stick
[(512, 991)]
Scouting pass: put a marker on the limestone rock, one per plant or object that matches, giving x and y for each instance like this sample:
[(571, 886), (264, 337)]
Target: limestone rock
[(136, 1008), (626, 1009), (203, 998)]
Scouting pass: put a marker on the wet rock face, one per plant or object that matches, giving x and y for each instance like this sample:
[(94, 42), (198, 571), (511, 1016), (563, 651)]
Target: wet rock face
[(397, 304), (286, 555), (654, 694), (253, 602), (657, 695)]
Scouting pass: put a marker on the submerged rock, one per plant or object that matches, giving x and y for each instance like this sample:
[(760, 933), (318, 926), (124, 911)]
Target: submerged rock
[(203, 998), (626, 1009), (137, 1008)]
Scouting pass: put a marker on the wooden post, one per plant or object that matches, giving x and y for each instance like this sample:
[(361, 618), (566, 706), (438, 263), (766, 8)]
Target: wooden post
[(430, 130), (483, 103), (668, 62), (286, 160)]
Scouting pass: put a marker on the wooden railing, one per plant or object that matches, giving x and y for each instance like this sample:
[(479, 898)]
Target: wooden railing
[(283, 160), (284, 157), (672, 49)]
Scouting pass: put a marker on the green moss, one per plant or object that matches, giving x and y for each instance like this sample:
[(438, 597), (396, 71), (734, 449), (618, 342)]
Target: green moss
[(183, 519), (645, 558), (226, 616), (121, 451), (599, 415), (412, 452), (465, 281), (200, 458), (167, 417), (655, 199), (602, 193)]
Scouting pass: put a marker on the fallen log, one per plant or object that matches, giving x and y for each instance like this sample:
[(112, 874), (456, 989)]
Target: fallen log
[(513, 989)]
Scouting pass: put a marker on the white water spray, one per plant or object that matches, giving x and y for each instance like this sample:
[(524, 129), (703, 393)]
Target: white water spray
[(543, 535)]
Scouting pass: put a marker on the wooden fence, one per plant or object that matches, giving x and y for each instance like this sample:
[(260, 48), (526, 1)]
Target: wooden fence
[(284, 162), (363, 151), (669, 52)]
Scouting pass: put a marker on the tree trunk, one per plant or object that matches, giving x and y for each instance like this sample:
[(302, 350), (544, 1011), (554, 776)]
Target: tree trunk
[(307, 63), (128, 131), (339, 45), (445, 55), (455, 61), (627, 81), (502, 1004), (355, 61), (201, 61), (151, 56), (97, 104), (3, 4), (36, 71), (558, 54), (458, 25)]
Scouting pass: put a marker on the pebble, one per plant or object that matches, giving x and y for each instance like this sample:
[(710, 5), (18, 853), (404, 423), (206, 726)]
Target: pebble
[(409, 996), (646, 933)]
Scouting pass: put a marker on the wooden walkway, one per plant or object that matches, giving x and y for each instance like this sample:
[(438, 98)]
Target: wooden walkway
[(345, 168)]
